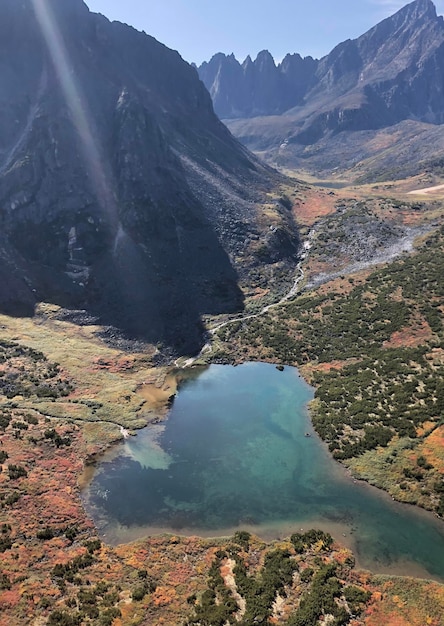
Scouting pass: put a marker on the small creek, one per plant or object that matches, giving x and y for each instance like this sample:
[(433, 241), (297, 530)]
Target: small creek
[(234, 453)]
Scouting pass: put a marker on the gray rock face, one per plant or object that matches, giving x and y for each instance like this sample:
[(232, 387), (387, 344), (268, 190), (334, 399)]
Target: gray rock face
[(256, 87), (393, 72), (110, 156)]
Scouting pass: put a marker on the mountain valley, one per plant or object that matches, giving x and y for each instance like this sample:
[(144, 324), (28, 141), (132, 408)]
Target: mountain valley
[(360, 112), (141, 242), (74, 411)]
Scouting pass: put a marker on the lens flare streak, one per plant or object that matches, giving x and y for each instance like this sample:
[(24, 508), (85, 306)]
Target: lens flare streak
[(77, 106)]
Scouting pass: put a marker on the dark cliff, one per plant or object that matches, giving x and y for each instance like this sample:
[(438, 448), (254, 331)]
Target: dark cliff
[(120, 190)]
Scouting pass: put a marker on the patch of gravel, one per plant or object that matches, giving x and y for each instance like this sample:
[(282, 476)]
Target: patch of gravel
[(384, 254)]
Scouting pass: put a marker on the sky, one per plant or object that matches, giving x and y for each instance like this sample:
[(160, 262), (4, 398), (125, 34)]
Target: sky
[(200, 28)]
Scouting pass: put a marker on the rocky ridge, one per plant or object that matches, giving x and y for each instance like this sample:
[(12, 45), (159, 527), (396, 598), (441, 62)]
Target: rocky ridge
[(258, 87)]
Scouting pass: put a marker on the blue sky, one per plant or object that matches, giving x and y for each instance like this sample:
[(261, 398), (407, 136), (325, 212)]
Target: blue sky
[(200, 28)]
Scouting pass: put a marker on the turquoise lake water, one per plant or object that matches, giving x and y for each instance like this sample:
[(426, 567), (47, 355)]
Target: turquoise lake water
[(233, 454)]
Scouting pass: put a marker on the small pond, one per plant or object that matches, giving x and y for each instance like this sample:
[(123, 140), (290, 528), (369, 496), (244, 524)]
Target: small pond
[(238, 451)]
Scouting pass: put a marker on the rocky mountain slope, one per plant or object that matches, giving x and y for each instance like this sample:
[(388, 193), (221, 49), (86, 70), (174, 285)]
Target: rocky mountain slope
[(371, 156), (392, 73), (120, 190)]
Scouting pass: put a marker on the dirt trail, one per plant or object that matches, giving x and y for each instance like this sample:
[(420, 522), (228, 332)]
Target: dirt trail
[(227, 573), (300, 275)]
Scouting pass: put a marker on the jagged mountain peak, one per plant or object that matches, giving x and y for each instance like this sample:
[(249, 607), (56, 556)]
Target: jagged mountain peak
[(220, 56), (419, 8), (383, 51), (291, 57), (409, 19), (258, 87), (265, 58)]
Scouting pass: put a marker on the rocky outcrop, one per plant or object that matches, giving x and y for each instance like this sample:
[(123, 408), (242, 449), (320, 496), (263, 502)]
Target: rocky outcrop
[(120, 190)]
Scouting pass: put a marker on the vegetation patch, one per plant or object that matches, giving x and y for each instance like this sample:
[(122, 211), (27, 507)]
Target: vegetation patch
[(306, 575)]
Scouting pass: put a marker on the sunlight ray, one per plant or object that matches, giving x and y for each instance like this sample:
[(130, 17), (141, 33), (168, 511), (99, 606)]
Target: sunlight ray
[(77, 106)]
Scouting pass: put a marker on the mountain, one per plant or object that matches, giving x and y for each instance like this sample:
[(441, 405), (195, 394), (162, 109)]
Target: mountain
[(257, 87), (121, 192), (392, 73)]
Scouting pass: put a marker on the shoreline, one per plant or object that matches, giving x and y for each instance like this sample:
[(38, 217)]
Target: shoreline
[(162, 402), (343, 532)]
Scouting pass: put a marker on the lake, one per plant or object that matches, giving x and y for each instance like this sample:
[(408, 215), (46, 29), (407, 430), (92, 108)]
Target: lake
[(238, 451)]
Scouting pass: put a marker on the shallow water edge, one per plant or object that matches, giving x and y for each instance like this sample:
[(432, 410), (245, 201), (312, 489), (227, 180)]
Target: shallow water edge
[(290, 481)]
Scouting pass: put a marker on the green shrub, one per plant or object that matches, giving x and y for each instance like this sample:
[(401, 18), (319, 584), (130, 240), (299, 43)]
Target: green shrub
[(5, 582), (16, 471), (45, 534), (62, 618)]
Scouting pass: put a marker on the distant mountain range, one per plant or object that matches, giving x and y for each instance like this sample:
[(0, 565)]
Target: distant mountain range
[(392, 73), (121, 192), (257, 87)]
